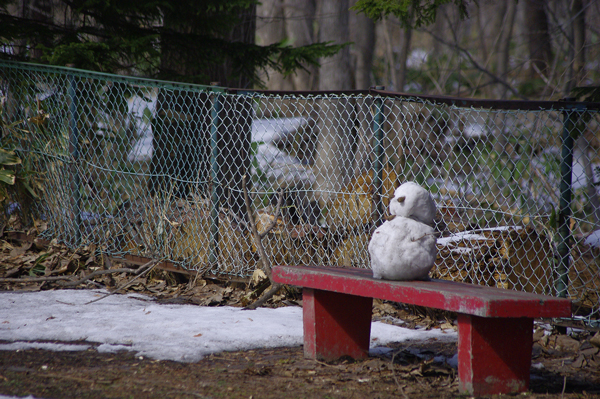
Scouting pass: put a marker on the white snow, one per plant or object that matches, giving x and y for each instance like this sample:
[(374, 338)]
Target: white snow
[(18, 345), (140, 108), (475, 131), (142, 150), (579, 178), (414, 202), (471, 236), (462, 250), (460, 236), (417, 58), (593, 239), (404, 248), (281, 169), (273, 130), (62, 320)]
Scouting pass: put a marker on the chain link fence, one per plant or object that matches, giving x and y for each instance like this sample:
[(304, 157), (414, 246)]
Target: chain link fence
[(155, 169)]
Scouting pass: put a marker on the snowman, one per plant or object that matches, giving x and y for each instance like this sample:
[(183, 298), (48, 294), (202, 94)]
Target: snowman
[(404, 248)]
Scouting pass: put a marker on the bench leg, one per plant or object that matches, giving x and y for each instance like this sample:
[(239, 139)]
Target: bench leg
[(494, 354), (336, 325)]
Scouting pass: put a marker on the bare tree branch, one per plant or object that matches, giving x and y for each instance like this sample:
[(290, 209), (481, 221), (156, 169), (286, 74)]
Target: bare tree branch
[(70, 282), (264, 298), (477, 66), (109, 271), (33, 279), (140, 272), (257, 236), (261, 249)]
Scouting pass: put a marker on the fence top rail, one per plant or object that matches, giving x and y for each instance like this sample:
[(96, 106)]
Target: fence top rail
[(460, 102), (133, 80), (525, 105)]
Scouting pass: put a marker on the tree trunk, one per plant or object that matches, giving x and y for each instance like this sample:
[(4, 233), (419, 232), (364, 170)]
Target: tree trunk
[(181, 142), (490, 20), (362, 34), (334, 73), (504, 45), (271, 29), (334, 147), (483, 48), (438, 28), (37, 10), (540, 46), (182, 125), (577, 13), (299, 22), (389, 54), (501, 62), (404, 51)]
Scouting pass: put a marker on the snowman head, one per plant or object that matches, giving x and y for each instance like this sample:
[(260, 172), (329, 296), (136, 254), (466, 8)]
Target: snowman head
[(414, 202)]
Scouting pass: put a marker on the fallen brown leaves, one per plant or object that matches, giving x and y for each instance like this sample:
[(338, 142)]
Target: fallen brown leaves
[(34, 264), (561, 362)]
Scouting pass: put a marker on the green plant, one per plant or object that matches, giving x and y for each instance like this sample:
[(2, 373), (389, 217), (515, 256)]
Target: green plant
[(19, 182), (8, 158)]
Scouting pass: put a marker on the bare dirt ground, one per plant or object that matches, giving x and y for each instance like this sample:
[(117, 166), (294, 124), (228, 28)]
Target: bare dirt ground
[(563, 366), (271, 373)]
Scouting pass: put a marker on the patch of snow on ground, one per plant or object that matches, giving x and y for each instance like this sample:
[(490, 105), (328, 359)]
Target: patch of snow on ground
[(140, 108), (593, 239), (52, 346), (276, 129), (137, 323), (471, 235), (463, 235)]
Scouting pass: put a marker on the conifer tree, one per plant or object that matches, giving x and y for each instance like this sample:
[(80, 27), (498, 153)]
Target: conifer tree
[(197, 41), (410, 13)]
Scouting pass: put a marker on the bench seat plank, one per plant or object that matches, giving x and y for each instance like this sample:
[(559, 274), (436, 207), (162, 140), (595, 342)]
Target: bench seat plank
[(495, 326), (453, 296)]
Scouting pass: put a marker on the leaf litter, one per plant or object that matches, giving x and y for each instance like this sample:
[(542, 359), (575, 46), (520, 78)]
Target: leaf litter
[(565, 361)]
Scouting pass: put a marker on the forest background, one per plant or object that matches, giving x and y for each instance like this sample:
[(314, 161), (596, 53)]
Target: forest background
[(528, 49)]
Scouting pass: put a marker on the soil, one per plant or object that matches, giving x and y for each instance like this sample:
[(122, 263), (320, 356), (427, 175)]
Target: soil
[(563, 366)]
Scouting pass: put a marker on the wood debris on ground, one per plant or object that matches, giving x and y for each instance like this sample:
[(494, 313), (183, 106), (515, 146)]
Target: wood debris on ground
[(407, 365)]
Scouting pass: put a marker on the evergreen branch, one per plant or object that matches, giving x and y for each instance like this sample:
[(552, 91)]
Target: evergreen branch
[(410, 13)]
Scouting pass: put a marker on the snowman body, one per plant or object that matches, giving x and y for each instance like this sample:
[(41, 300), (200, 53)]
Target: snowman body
[(404, 248)]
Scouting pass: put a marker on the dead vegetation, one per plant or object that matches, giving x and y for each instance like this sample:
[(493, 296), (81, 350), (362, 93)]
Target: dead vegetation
[(564, 366)]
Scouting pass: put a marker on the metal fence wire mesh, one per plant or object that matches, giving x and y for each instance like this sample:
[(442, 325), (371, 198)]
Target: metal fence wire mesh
[(155, 169)]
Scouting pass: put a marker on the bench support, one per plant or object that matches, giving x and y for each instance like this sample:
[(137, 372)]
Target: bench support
[(336, 325), (495, 326), (494, 354)]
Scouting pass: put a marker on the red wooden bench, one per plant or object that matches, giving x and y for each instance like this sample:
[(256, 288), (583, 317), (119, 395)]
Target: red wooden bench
[(495, 326)]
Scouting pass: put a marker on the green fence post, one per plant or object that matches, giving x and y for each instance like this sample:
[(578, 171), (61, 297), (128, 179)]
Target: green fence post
[(74, 151), (566, 194), (216, 184), (378, 161)]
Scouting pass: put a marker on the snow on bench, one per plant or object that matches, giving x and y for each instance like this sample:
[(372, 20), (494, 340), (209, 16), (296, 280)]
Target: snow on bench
[(495, 326)]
